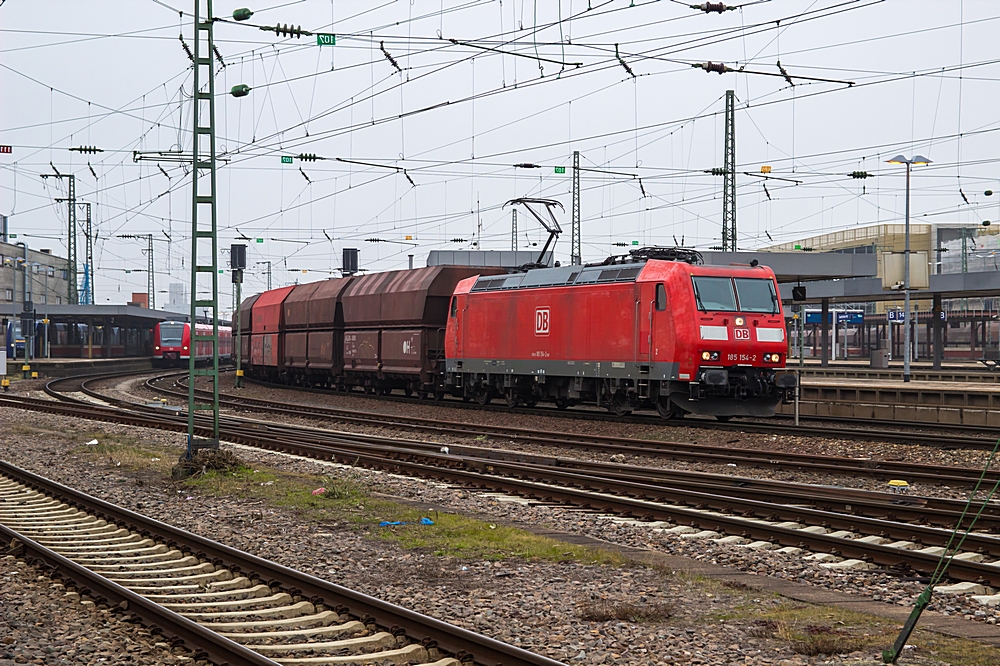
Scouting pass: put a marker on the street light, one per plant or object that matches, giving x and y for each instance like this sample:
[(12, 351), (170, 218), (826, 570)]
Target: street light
[(919, 160)]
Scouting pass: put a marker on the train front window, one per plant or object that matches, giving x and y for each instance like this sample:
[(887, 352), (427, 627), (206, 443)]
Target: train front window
[(714, 293), (171, 334), (756, 295)]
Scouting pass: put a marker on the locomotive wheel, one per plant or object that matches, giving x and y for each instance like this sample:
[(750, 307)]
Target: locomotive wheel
[(665, 409), (513, 399), (484, 394), (723, 418), (619, 404)]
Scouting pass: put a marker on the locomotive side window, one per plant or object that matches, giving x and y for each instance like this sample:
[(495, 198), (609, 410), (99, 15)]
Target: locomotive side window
[(756, 295), (454, 305), (714, 293), (661, 297)]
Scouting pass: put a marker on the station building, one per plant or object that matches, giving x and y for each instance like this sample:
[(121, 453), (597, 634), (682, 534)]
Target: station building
[(45, 275), (960, 260)]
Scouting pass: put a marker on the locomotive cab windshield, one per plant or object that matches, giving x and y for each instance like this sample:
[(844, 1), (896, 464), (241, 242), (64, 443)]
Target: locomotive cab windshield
[(752, 295), (171, 334)]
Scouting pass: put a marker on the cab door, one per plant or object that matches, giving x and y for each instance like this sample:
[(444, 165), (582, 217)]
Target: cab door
[(453, 323), (644, 306)]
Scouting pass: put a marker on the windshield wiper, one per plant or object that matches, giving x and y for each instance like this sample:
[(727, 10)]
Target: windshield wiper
[(697, 298)]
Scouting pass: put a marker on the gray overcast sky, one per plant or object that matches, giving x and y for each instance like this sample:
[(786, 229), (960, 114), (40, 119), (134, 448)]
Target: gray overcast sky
[(113, 74)]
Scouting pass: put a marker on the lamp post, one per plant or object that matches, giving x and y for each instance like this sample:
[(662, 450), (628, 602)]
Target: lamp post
[(918, 160)]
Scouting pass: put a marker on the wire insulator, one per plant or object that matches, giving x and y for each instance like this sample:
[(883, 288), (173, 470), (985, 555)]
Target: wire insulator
[(187, 49), (713, 67), (623, 63), (709, 7), (389, 57)]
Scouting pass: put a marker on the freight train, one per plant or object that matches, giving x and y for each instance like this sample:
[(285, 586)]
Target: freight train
[(654, 329), (172, 344)]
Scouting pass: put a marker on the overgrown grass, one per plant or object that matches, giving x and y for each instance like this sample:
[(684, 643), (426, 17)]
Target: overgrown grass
[(825, 630), (124, 451), (603, 610), (349, 503)]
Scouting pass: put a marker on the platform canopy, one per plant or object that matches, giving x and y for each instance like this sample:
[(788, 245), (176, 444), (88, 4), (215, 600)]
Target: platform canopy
[(795, 267), (65, 311), (858, 290)]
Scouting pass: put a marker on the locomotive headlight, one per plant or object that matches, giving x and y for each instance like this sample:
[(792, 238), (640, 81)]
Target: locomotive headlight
[(772, 358), (740, 321), (710, 356)]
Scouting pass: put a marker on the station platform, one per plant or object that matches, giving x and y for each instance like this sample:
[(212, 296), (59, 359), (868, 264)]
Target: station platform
[(955, 371), (953, 402), (68, 367)]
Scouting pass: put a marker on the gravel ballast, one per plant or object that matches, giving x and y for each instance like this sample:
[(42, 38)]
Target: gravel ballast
[(535, 605)]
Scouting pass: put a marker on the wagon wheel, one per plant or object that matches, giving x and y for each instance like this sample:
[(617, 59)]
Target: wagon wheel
[(619, 404), (438, 396), (408, 391), (562, 403), (484, 394), (531, 403), (723, 417), (513, 398), (421, 395)]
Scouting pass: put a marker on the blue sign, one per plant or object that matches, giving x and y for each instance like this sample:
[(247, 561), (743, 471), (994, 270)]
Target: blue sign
[(900, 316), (855, 318)]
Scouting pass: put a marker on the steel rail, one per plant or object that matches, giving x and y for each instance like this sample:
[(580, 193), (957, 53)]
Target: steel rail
[(420, 628), (204, 643), (865, 434), (924, 509), (936, 511), (454, 469), (836, 465)]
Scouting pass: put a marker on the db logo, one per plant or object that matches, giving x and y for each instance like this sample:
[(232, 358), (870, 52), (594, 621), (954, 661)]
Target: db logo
[(741, 333), (541, 321)]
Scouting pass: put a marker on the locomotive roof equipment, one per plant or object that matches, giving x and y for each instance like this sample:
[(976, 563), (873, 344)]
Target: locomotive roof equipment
[(552, 226)]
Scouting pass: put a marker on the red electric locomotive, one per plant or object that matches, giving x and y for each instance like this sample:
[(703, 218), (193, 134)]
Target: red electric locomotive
[(653, 329), (172, 343)]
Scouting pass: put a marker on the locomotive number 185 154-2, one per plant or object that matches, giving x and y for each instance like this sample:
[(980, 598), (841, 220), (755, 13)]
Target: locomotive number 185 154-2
[(743, 358)]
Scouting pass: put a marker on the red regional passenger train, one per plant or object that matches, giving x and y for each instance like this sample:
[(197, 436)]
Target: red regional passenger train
[(654, 329), (172, 344)]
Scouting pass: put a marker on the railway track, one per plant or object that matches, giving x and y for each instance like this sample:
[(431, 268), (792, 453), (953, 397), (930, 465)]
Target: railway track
[(938, 435), (857, 529), (677, 451), (220, 603)]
